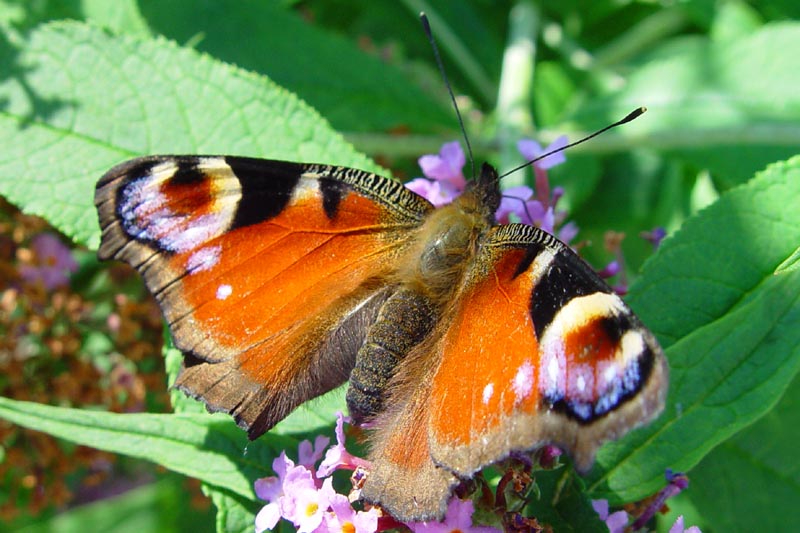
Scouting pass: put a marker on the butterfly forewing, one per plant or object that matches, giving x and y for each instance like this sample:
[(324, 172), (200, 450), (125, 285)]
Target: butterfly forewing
[(268, 272)]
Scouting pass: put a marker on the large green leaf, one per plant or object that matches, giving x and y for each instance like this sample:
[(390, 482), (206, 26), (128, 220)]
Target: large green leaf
[(756, 473), (161, 506), (76, 100), (355, 91), (730, 326), (234, 513), (563, 503), (204, 446)]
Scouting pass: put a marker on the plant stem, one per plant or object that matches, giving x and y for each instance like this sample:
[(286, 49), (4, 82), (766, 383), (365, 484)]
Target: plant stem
[(455, 48), (640, 36), (514, 93), (765, 134)]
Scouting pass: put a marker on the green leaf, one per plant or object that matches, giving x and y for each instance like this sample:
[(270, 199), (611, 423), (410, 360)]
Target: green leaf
[(234, 514), (208, 447), (160, 506), (354, 90), (730, 327), (118, 16), (78, 100), (791, 263), (563, 503), (730, 106), (756, 473)]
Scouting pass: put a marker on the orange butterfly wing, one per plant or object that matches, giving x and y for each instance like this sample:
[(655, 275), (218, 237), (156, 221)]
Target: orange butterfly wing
[(535, 349), (267, 272), (558, 353)]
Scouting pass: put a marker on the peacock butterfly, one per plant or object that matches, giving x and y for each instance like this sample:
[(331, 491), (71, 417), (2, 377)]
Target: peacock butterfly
[(463, 340)]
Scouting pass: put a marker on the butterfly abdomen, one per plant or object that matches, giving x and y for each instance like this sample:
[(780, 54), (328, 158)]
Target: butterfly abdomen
[(428, 278), (405, 320)]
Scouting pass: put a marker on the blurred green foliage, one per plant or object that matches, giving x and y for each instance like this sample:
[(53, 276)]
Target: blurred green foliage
[(85, 84)]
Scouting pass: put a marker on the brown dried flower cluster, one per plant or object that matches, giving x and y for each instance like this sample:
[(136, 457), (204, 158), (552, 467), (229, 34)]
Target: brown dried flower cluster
[(62, 343)]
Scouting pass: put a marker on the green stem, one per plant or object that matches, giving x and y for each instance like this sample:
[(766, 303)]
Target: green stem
[(455, 48), (766, 134), (640, 37), (634, 40), (516, 80)]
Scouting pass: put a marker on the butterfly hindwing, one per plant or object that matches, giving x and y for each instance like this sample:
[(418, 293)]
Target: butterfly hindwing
[(560, 358), (268, 272)]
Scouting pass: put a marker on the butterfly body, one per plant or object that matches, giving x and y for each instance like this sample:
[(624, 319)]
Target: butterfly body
[(463, 341), (427, 277)]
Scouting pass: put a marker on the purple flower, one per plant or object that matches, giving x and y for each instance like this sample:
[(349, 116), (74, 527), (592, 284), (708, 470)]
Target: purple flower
[(610, 270), (444, 176), (677, 527), (539, 208), (517, 200), (54, 263), (271, 490), (531, 149), (268, 517), (676, 483), (298, 495), (337, 456), (308, 455), (458, 518), (616, 522), (655, 236), (344, 518), (567, 232), (304, 505), (447, 166), (435, 192)]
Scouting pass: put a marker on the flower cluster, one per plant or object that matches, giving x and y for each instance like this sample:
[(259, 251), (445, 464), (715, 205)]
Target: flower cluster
[(538, 208), (617, 522), (51, 264), (444, 181), (59, 347), (299, 495), (304, 495)]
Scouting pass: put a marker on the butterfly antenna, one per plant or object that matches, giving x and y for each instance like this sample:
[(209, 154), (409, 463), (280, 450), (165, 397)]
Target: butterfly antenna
[(427, 27), (630, 116)]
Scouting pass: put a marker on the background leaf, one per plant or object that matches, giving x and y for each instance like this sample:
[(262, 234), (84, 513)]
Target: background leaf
[(756, 472), (353, 90), (729, 106), (159, 506), (206, 447), (730, 327)]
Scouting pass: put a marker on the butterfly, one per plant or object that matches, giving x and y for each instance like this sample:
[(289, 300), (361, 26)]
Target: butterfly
[(463, 341)]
